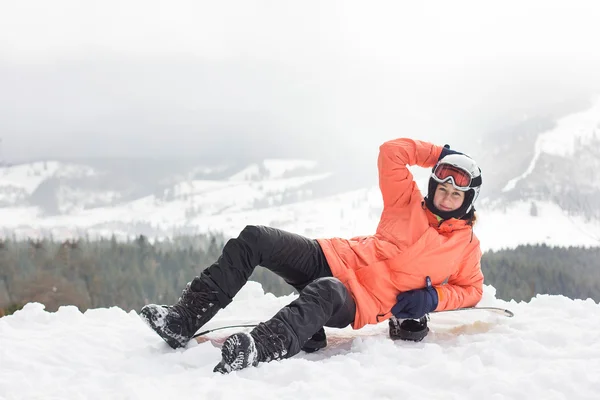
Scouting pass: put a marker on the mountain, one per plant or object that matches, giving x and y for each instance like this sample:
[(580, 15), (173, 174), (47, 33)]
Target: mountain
[(547, 184), (541, 185)]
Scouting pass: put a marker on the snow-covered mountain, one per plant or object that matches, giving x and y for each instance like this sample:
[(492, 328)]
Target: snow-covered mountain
[(544, 188)]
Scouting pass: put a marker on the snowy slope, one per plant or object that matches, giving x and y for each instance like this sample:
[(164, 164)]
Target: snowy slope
[(272, 169), (219, 207), (576, 130), (29, 176), (19, 183), (166, 211), (549, 350)]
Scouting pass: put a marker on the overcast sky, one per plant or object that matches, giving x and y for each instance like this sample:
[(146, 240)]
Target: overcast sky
[(301, 78)]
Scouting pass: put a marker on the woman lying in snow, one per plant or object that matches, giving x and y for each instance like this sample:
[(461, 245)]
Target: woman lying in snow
[(423, 257)]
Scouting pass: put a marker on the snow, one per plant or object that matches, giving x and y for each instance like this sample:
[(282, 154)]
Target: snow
[(30, 176), (549, 350), (228, 207), (20, 181), (278, 168), (499, 229), (570, 132), (14, 215), (27, 176), (169, 210), (246, 174), (273, 169), (73, 199)]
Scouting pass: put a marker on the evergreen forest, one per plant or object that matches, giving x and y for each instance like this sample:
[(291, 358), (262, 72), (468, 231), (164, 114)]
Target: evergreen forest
[(105, 273)]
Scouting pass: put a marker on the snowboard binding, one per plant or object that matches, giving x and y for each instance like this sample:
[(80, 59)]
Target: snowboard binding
[(413, 330)]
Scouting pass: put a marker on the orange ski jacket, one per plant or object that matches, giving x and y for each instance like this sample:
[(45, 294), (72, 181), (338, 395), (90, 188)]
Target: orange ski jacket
[(409, 244)]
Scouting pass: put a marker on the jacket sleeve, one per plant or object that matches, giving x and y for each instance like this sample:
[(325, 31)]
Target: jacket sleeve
[(395, 180), (464, 289)]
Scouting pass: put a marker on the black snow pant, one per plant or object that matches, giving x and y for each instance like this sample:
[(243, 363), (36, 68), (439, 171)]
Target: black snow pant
[(323, 300)]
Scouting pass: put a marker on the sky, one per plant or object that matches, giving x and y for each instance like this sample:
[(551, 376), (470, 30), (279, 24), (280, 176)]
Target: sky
[(550, 349), (311, 79)]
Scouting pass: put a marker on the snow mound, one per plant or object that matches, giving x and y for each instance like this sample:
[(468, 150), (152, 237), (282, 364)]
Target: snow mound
[(550, 349)]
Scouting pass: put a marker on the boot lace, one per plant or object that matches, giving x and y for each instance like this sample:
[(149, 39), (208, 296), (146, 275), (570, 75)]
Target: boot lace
[(193, 306), (270, 344)]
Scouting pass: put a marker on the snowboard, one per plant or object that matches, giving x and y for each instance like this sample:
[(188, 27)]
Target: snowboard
[(497, 310), (334, 339)]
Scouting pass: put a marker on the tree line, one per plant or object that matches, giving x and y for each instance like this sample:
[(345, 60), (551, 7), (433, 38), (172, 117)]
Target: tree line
[(522, 273), (101, 273), (106, 272)]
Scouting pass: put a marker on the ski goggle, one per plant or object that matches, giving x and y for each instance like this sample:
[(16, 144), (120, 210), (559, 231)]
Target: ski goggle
[(459, 178)]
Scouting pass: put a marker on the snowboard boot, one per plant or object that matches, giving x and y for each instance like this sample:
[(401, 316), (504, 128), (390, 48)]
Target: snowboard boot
[(177, 324), (266, 342), (318, 341), (238, 352)]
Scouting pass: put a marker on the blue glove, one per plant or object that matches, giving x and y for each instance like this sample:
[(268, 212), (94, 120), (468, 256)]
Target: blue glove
[(416, 303), (446, 151)]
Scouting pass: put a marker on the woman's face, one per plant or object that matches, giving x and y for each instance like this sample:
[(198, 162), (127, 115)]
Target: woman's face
[(447, 198)]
